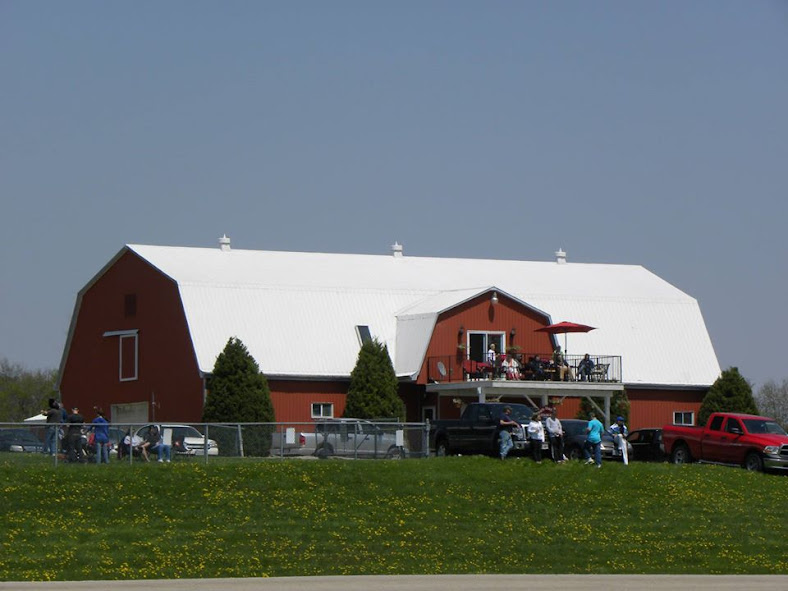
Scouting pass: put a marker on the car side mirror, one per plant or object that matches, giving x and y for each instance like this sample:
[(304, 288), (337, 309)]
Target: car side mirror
[(735, 430)]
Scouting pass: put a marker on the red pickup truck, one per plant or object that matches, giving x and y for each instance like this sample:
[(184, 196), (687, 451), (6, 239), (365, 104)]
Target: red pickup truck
[(751, 441)]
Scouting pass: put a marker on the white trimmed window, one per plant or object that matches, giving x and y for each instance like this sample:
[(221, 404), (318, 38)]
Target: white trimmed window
[(683, 417), (128, 353), (322, 410)]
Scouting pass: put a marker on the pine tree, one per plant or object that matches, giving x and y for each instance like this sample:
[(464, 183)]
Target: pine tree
[(238, 392), (373, 385), (729, 393)]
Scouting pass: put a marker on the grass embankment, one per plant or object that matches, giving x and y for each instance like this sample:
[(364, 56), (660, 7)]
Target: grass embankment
[(449, 515)]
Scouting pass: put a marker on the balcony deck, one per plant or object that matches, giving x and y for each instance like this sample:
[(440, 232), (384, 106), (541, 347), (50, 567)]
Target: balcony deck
[(458, 376)]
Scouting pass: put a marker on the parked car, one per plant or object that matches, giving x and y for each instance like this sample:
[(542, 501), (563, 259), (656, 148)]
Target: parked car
[(647, 445), (754, 442), (347, 437), (575, 437), (184, 439), (19, 440), (477, 431)]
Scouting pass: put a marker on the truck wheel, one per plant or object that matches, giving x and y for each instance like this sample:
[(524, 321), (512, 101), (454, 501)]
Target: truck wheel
[(324, 451), (753, 462), (574, 453), (394, 453), (442, 449), (681, 454)]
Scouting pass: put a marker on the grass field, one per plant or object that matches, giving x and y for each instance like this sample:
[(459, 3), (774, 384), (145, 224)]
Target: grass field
[(258, 518)]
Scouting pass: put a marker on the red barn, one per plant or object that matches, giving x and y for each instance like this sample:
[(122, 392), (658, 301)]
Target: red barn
[(147, 329)]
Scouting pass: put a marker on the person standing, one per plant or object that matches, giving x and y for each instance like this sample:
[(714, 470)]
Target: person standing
[(74, 436), (101, 437), (593, 443), (506, 424), (536, 437), (53, 415), (619, 432), (492, 354), (555, 433)]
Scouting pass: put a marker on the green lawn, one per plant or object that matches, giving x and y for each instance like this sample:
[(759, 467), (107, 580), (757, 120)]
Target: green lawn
[(253, 518)]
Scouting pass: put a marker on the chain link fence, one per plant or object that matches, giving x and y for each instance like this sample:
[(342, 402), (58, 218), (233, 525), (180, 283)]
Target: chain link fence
[(340, 438)]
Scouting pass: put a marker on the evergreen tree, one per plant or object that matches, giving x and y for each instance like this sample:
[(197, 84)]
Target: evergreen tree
[(373, 385), (729, 393), (238, 393), (619, 407)]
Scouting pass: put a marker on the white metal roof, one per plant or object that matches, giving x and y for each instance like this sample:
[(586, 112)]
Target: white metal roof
[(297, 312)]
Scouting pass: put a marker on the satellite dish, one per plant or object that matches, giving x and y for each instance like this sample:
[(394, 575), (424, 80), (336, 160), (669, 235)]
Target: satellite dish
[(441, 369)]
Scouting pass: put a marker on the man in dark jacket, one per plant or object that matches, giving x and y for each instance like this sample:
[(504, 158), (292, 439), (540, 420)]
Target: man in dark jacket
[(74, 436)]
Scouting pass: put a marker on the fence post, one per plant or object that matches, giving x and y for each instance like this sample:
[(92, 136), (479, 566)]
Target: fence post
[(426, 439), (240, 440), (205, 446)]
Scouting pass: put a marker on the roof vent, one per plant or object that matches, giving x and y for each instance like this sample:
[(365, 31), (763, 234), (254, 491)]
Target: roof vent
[(560, 256), (396, 249), (224, 243)]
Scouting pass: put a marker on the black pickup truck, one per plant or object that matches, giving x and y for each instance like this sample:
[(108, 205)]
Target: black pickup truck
[(476, 431)]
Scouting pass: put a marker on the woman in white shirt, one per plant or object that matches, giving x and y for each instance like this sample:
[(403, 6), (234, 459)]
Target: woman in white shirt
[(536, 437)]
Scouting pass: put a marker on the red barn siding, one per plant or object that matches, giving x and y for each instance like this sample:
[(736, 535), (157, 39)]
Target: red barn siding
[(655, 408), (167, 369), (293, 399), (479, 315)]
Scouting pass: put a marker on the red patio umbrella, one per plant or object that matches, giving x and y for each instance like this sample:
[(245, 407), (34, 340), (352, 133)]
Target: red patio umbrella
[(565, 327)]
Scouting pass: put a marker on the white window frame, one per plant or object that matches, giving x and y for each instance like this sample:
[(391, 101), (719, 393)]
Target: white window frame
[(322, 406), (126, 334), (681, 414)]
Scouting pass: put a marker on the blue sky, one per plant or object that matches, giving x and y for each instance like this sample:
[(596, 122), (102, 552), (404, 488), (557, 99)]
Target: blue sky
[(623, 132)]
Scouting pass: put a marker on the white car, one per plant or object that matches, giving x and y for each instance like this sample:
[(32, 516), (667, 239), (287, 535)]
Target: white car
[(184, 439)]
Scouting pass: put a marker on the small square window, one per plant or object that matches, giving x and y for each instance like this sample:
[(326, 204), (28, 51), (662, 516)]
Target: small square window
[(322, 410), (683, 418)]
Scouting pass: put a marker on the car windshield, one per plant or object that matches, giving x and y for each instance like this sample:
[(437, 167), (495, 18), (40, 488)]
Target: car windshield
[(521, 414), (761, 426), (185, 431)]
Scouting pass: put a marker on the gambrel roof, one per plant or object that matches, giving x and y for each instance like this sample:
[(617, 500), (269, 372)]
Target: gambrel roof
[(297, 312)]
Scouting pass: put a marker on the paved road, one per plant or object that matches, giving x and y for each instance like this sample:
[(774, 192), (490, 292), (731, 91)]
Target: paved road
[(438, 583)]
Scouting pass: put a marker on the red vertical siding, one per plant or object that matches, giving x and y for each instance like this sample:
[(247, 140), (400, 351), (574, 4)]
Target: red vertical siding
[(293, 399), (479, 315), (167, 369), (655, 408)]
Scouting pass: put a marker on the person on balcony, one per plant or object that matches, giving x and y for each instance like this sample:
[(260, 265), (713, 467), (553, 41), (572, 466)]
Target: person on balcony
[(536, 366), (492, 354), (561, 366), (511, 367), (585, 368)]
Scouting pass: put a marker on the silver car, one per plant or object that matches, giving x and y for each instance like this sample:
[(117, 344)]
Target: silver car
[(351, 438)]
